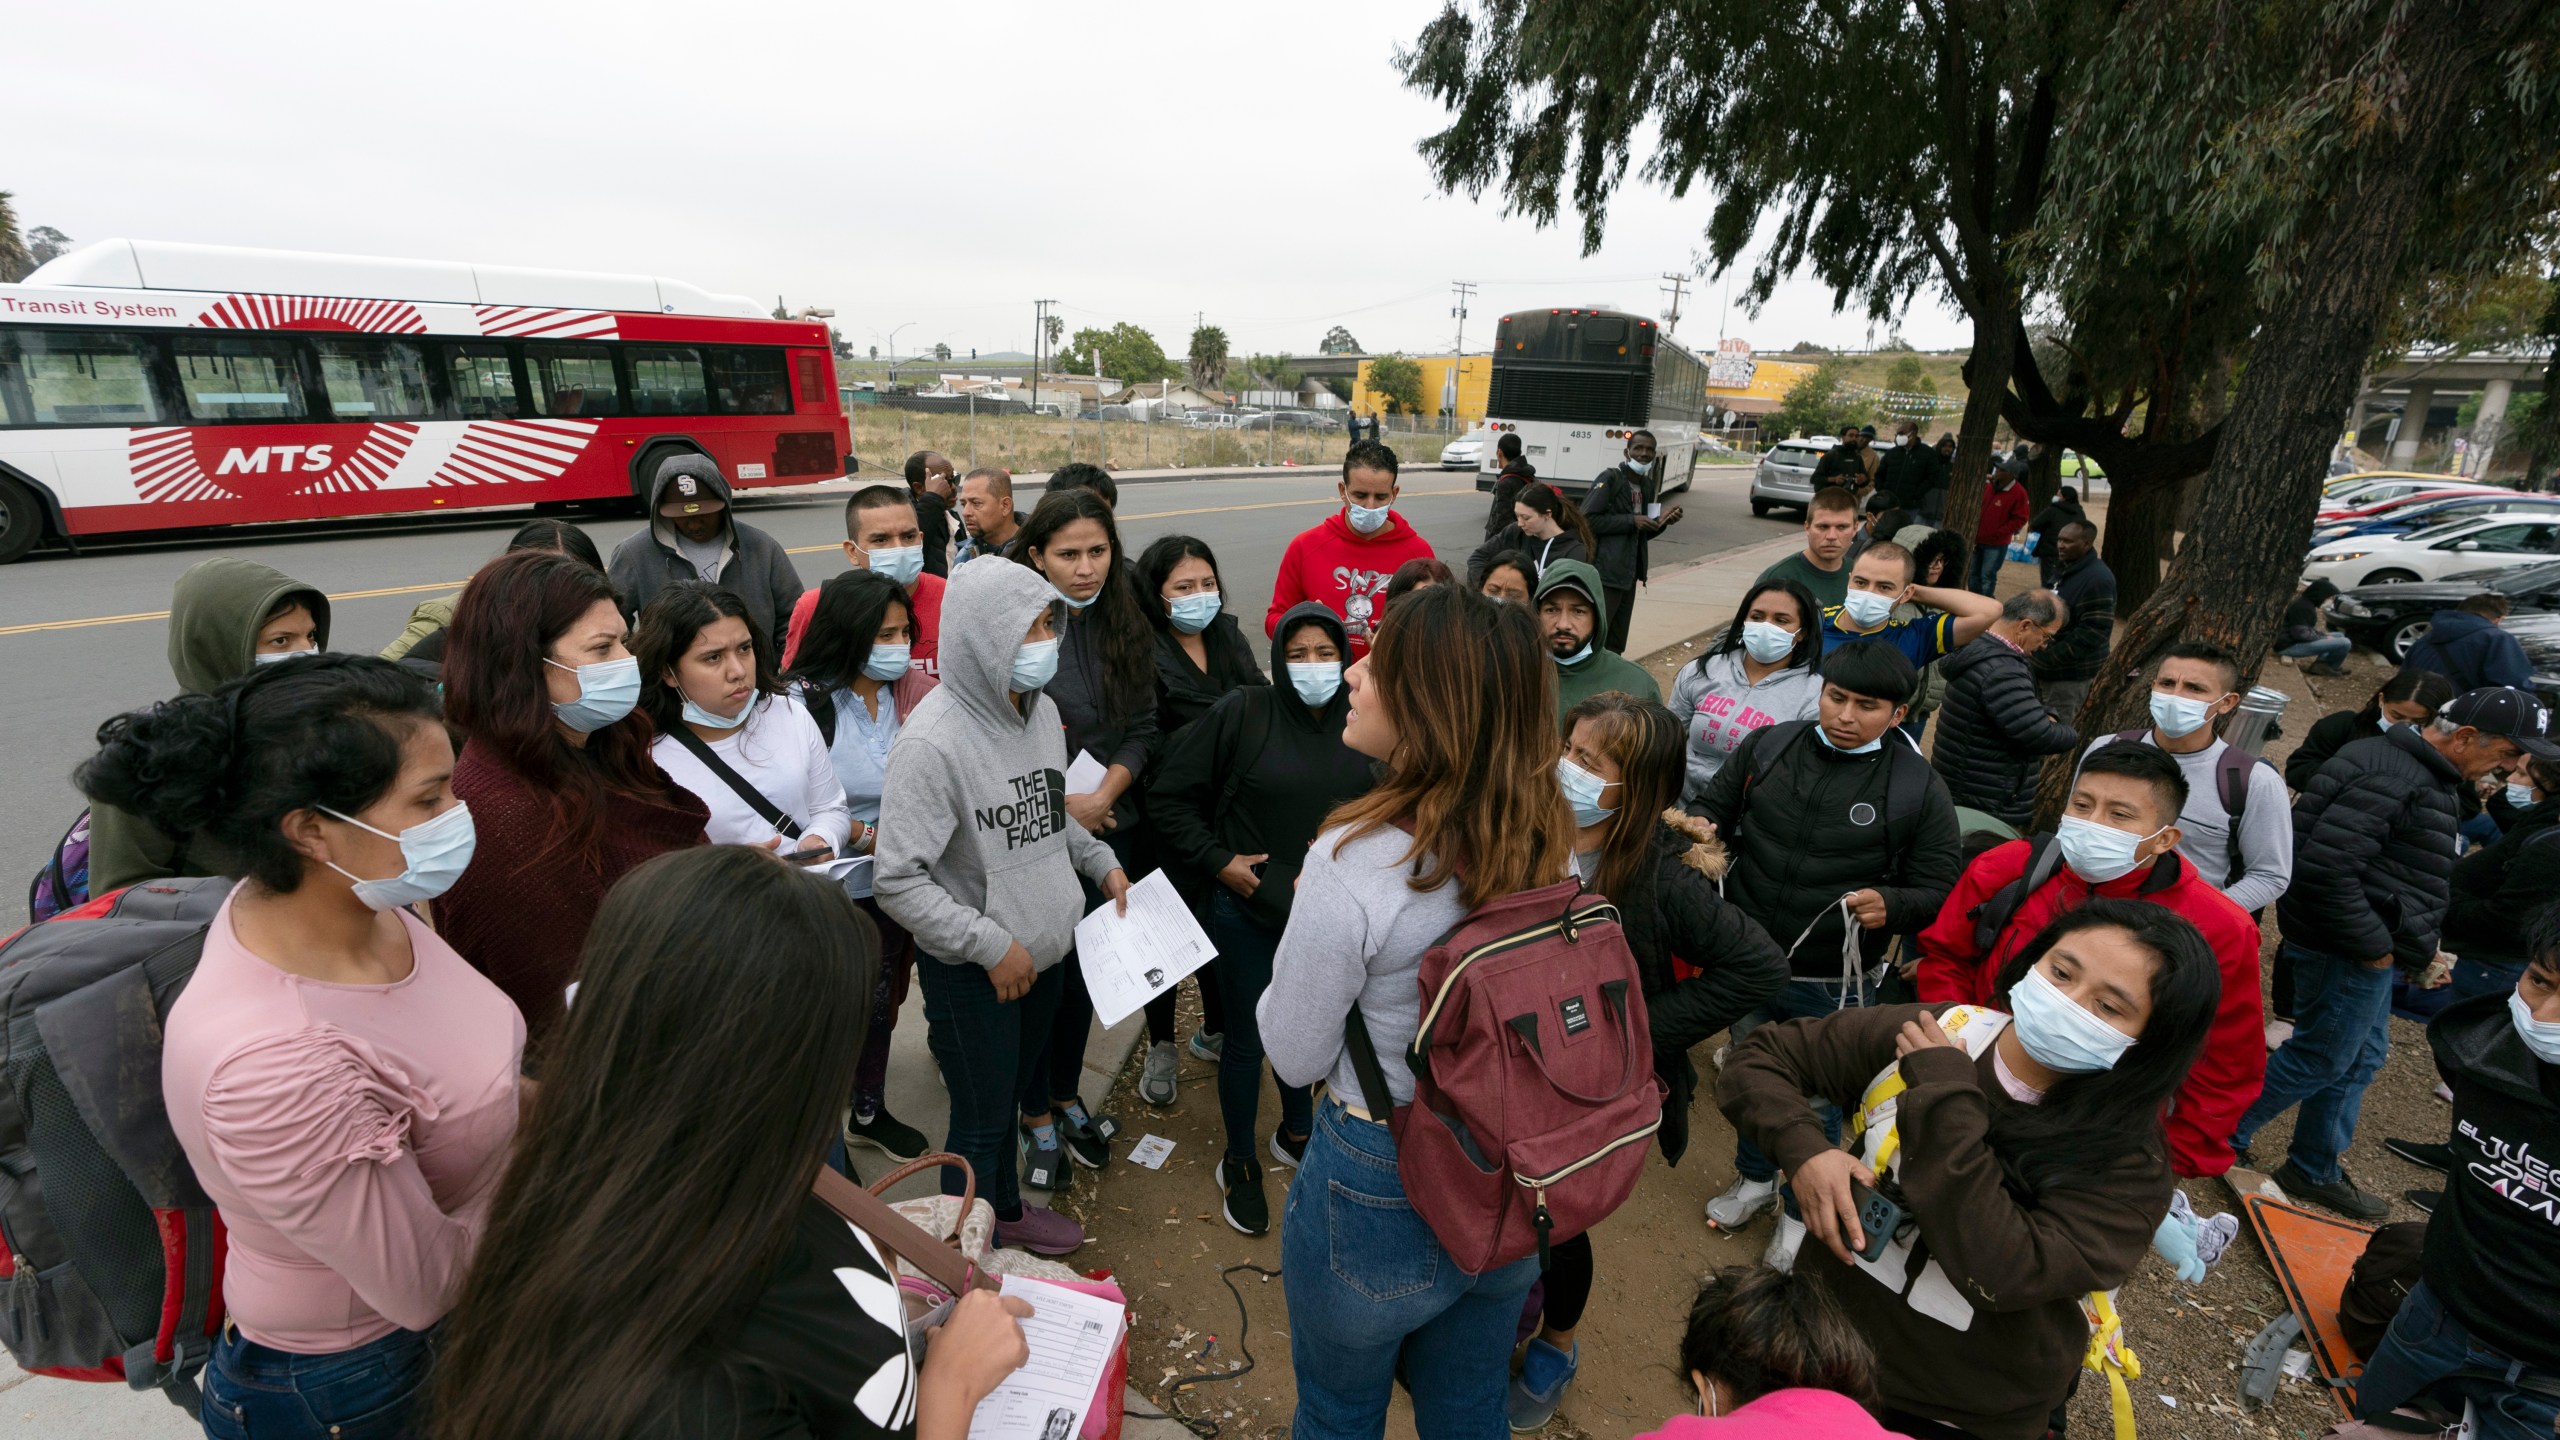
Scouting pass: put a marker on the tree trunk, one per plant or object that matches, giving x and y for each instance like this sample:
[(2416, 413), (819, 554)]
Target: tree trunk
[(2142, 515), (1986, 378), (2243, 555)]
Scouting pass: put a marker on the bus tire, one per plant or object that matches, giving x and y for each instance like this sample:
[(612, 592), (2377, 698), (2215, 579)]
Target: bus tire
[(21, 520)]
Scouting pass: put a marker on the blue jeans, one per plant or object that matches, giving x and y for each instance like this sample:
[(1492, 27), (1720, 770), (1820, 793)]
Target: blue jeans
[(1800, 1000), (2425, 1347), (1984, 576), (2330, 649), (374, 1392), (2479, 977), (1369, 1285), (982, 1044), (1243, 968), (2341, 1033)]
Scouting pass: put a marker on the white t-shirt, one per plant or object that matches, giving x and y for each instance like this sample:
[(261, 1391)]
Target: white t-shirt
[(781, 753)]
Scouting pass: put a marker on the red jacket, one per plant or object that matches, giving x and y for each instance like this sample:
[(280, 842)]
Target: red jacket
[(1344, 571), (2004, 514), (2226, 1077), (925, 601)]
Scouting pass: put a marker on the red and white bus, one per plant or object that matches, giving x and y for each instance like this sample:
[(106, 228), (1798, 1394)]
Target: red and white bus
[(149, 386)]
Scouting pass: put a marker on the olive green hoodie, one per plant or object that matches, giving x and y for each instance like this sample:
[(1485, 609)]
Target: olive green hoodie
[(215, 613), (1598, 670)]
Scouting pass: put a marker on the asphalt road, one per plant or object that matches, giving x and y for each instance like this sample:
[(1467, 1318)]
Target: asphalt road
[(81, 637)]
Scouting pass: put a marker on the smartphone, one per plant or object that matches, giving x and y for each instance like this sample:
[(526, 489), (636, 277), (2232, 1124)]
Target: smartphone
[(1877, 1216), (808, 857)]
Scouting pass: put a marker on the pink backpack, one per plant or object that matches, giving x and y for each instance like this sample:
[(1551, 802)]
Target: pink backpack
[(1534, 1098)]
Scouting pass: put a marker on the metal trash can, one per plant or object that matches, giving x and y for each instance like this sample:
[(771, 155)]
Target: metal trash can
[(2254, 723)]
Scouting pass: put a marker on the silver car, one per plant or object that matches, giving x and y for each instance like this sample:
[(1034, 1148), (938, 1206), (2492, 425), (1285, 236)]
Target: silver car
[(1784, 476), (1467, 452)]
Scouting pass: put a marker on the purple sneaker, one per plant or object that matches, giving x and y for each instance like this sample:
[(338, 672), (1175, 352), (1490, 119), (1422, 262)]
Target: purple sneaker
[(1042, 1231)]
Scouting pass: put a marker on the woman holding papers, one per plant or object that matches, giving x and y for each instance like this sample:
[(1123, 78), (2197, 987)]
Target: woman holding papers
[(1239, 796), (1105, 692), (654, 1263)]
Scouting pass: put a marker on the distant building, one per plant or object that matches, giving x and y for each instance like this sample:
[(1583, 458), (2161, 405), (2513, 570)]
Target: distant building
[(1475, 381)]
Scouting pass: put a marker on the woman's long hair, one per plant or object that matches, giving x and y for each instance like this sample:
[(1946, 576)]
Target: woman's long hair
[(1472, 696), (683, 1112), (2089, 1124), (843, 626), (674, 620), (1808, 633), (1650, 751), (1944, 548), (1155, 566), (497, 692), (1128, 641), (561, 538), (1546, 500), (2423, 687)]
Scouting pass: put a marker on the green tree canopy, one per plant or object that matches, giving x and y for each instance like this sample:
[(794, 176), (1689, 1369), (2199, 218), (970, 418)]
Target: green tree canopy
[(1338, 341), (1813, 405), (1208, 357), (1128, 354), (1398, 381)]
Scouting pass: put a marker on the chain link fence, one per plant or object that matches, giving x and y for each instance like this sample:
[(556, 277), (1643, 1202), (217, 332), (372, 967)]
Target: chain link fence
[(884, 436)]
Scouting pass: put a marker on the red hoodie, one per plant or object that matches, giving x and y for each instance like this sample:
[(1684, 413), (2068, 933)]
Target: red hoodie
[(2226, 1077), (2004, 514), (1344, 571)]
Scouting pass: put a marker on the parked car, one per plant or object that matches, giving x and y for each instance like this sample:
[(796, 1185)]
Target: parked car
[(1784, 475), (2374, 488), (2391, 618), (2411, 512), (1467, 452), (2538, 631), (1286, 420), (2477, 542)]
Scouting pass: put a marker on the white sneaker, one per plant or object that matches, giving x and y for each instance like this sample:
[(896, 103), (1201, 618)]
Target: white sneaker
[(1742, 1204), (1721, 1052), (2278, 1032), (1784, 1242)]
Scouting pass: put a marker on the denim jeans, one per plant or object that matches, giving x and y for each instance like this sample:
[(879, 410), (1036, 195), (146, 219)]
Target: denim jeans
[(982, 1043), (1243, 969), (2341, 1033), (374, 1392), (2328, 649), (1983, 576), (1801, 999), (1369, 1285), (2479, 977), (888, 996), (2425, 1347)]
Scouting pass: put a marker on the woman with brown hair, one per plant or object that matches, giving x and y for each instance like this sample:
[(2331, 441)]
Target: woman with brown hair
[(1457, 701), (557, 772), (1546, 527)]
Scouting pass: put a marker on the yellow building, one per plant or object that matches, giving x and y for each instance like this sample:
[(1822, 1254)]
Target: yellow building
[(1475, 382)]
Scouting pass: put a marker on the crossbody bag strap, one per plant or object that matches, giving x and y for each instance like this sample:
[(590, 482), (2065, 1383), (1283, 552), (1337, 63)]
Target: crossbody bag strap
[(1364, 1063), (755, 798), (904, 1238)]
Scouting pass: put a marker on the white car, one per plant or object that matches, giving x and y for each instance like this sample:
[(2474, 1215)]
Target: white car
[(2474, 542), (1467, 452)]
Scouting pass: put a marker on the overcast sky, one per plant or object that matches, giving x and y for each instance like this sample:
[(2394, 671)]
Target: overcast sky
[(926, 168)]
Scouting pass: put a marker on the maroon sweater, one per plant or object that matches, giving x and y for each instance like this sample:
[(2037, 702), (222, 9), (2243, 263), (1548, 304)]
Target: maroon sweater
[(520, 913)]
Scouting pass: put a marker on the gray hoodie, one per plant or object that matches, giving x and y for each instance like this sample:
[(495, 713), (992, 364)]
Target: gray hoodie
[(976, 848), (751, 562)]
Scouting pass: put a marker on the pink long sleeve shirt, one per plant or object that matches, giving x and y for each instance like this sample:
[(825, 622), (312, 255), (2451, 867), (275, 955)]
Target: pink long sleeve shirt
[(350, 1135)]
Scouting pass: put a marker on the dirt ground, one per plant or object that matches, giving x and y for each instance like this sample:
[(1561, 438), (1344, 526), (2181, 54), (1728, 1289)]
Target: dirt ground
[(1161, 1232)]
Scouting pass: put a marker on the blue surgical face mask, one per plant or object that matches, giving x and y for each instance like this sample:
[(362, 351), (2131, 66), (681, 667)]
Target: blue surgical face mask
[(2098, 853), (1072, 602), (888, 662), (2542, 1037), (270, 657), (1192, 613), (1316, 681), (902, 565), (1583, 790), (2179, 715), (1867, 749), (1767, 643), (2058, 1032), (606, 692), (2519, 794), (433, 853), (1365, 520), (696, 715), (1867, 608), (1035, 663), (1640, 467), (1576, 658)]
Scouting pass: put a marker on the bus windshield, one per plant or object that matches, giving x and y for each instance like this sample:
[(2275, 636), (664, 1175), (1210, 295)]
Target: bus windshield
[(1571, 338)]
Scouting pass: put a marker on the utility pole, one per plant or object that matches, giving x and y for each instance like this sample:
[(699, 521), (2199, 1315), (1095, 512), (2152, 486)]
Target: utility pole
[(1039, 338), (1679, 285), (1465, 291)]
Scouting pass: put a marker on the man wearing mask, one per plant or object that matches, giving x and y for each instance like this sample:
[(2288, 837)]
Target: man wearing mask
[(2118, 838), (1879, 579), (2067, 666), (1620, 510), (1344, 561), (987, 513), (1830, 525), (692, 535), (2373, 855), (2004, 514), (1572, 611), (1993, 731), (1911, 472), (2236, 829), (881, 533)]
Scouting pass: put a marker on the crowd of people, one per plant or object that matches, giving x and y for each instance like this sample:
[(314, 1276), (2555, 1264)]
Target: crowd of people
[(570, 940)]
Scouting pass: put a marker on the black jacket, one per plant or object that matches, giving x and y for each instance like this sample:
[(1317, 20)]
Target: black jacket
[(2373, 851), (1993, 731), (2089, 588), (2048, 523), (2327, 736), (1840, 465), (1909, 473), (2471, 651), (1506, 492), (1287, 767), (2496, 886), (1671, 910), (1817, 825), (1615, 510), (2491, 1256), (934, 519), (1080, 693), (1542, 553), (1183, 693)]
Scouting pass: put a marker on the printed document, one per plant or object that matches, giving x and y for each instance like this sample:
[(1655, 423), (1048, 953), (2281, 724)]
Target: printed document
[(1086, 774), (1130, 959), (1072, 1337)]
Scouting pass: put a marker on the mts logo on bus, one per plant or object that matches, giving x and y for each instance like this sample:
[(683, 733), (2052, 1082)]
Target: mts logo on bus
[(277, 459)]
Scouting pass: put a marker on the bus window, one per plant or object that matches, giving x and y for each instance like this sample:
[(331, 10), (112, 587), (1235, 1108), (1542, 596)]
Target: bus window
[(667, 380), (374, 379), (751, 380), (572, 380), (78, 378), (239, 377), (484, 384)]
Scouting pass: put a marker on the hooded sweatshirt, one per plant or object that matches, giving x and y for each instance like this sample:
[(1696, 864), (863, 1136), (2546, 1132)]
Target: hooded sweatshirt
[(976, 849), (1599, 670), (748, 561), (1257, 775), (2471, 651), (1344, 570), (215, 613)]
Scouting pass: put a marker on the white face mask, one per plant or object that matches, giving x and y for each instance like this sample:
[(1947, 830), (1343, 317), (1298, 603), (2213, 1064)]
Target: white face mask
[(2542, 1037), (2178, 716), (2061, 1034), (270, 657), (2099, 853), (1767, 643)]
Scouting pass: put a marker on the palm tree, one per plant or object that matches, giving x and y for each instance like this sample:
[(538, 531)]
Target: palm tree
[(15, 262), (1208, 357)]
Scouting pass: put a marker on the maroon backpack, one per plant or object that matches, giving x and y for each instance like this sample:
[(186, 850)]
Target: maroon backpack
[(1534, 1098)]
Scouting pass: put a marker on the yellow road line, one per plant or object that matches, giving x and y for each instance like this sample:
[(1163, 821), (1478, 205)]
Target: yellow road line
[(140, 616)]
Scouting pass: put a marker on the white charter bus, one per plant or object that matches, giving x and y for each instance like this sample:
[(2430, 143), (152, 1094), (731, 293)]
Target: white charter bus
[(1573, 384)]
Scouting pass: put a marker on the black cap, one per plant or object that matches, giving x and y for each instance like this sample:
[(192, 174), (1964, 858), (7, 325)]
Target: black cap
[(2509, 714)]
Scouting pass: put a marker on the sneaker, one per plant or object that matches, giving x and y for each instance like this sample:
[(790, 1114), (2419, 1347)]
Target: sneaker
[(2418, 1152), (887, 1134), (2278, 1032), (2444, 1092), (2340, 1194), (1721, 1052), (1240, 1180), (1545, 1373), (1288, 1149), (2425, 1200), (1042, 1231), (1205, 1046), (1087, 1137), (1155, 1083), (1742, 1204), (1784, 1242), (1044, 1159)]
